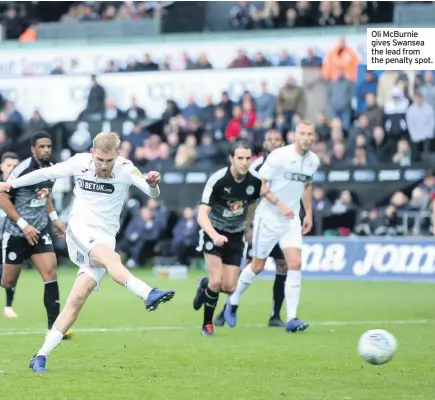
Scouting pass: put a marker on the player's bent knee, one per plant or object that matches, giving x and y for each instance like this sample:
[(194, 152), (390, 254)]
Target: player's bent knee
[(49, 275), (215, 283), (258, 265), (228, 289), (295, 263), (8, 283)]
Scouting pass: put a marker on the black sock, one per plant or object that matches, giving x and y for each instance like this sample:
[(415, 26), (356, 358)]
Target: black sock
[(211, 299), (51, 302), (278, 294), (10, 293)]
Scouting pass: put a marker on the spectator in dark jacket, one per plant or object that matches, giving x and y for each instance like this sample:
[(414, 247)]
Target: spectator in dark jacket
[(227, 105), (368, 85), (159, 212), (382, 147), (184, 238), (340, 93), (96, 98), (312, 60), (206, 153), (140, 235), (13, 115), (137, 136), (171, 110), (192, 110), (36, 122), (265, 105), (219, 124), (207, 112), (135, 112), (373, 112)]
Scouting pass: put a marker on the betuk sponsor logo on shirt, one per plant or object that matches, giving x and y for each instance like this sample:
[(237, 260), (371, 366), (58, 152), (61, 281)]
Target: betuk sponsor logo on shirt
[(95, 187)]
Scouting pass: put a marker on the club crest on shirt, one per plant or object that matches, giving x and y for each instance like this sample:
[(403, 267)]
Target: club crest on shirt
[(250, 190)]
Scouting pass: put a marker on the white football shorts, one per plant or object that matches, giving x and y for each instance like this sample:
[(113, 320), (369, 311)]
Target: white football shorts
[(80, 241), (271, 229)]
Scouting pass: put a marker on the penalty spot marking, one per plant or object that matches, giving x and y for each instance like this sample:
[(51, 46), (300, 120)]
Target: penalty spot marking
[(12, 332)]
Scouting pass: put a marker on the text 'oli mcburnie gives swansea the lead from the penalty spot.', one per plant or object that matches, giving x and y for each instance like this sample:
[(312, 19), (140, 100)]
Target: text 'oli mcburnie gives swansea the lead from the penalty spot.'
[(400, 49)]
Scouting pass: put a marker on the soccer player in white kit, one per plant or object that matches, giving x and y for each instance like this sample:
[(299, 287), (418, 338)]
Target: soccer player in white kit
[(287, 175), (102, 180)]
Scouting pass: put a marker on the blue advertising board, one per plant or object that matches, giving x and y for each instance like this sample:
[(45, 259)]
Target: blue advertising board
[(377, 258)]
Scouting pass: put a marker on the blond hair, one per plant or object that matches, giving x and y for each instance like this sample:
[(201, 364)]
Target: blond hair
[(106, 141), (305, 122)]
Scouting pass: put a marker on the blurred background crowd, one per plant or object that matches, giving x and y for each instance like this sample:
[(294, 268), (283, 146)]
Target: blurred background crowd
[(370, 119)]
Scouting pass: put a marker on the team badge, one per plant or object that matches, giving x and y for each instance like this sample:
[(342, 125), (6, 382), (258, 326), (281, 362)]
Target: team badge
[(250, 190), (208, 245)]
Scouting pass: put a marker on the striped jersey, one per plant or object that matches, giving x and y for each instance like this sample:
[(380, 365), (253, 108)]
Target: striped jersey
[(230, 199), (29, 201)]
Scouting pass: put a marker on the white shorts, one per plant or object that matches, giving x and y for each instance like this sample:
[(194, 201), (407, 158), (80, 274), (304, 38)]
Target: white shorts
[(272, 229), (80, 241)]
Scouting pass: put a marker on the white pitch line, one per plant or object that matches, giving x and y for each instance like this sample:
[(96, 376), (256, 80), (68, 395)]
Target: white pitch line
[(10, 332)]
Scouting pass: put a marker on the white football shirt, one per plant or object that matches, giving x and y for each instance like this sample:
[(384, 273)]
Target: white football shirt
[(98, 202), (288, 173)]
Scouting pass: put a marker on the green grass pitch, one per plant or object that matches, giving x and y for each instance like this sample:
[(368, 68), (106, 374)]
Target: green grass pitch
[(162, 355)]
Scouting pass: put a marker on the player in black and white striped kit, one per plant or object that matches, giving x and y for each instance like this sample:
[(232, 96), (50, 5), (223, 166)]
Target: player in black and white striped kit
[(228, 197), (9, 162), (26, 232), (272, 141)]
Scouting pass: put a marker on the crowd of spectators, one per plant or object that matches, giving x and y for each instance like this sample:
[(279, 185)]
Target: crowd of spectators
[(404, 214), (18, 16), (297, 14), (386, 118), (21, 17), (383, 119), (114, 11)]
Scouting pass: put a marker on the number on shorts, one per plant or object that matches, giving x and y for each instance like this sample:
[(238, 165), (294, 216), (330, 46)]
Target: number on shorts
[(47, 239)]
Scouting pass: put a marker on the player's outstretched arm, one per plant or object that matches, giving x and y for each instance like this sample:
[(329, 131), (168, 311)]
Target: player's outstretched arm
[(59, 170), (148, 184)]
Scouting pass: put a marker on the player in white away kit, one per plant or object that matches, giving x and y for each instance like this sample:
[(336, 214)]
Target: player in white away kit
[(102, 180), (287, 175)]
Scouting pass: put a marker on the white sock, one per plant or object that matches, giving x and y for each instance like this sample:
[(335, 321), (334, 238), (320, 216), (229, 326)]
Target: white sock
[(52, 340), (245, 279), (292, 293), (138, 287)]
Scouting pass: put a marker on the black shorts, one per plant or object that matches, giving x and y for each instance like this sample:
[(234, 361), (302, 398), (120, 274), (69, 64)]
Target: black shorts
[(276, 253), (16, 249), (231, 252)]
